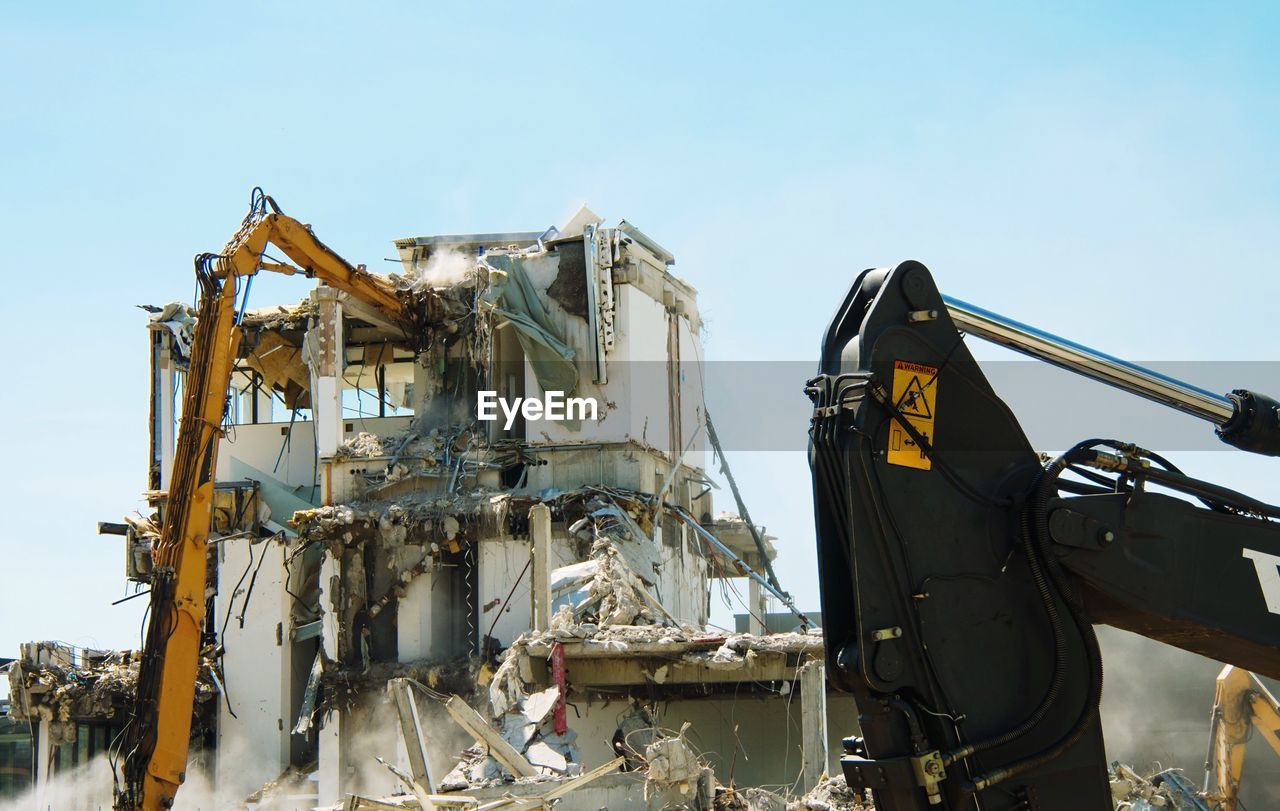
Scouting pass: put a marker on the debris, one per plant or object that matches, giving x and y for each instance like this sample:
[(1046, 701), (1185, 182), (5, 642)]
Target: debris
[(749, 798), (636, 730), (427, 521), (832, 794), (294, 779), (411, 730), (419, 793), (307, 711), (362, 445), (355, 802), (671, 761), (1167, 789), (582, 780), (538, 706), (178, 320), (54, 683), (540, 753), (476, 726), (475, 768)]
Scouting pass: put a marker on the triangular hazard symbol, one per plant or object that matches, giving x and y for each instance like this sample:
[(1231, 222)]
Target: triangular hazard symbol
[(913, 402)]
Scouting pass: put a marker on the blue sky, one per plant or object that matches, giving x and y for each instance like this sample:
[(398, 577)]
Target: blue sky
[(1107, 173)]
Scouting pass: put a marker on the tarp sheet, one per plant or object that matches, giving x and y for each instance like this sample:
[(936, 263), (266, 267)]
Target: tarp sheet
[(512, 296)]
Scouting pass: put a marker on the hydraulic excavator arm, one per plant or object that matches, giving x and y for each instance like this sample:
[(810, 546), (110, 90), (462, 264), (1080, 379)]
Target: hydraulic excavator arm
[(1241, 704), (962, 575), (156, 740)]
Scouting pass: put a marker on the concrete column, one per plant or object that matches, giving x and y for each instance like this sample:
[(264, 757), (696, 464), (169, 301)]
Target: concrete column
[(163, 406), (44, 762), (331, 757), (327, 355), (330, 578), (331, 738), (424, 382), (540, 593), (813, 722), (755, 599), (263, 399)]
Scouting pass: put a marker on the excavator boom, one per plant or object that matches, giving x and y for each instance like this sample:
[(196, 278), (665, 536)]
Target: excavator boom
[(1240, 704), (962, 576), (157, 737)]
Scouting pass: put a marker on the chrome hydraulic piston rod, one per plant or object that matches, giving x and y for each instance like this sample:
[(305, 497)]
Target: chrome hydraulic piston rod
[(1245, 419)]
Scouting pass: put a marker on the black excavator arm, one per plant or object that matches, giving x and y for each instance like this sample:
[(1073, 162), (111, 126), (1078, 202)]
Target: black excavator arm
[(962, 576)]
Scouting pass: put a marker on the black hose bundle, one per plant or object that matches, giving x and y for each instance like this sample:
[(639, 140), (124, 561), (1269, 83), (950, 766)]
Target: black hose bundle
[(1037, 542)]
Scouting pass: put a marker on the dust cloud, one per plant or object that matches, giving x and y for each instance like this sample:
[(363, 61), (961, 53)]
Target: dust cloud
[(447, 267)]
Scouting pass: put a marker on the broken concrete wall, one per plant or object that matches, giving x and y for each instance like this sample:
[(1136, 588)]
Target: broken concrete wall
[(503, 598), (635, 403), (682, 578), (645, 318)]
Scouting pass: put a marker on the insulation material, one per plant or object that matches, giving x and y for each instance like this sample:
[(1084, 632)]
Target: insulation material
[(362, 445), (631, 542), (282, 367), (307, 711), (179, 321)]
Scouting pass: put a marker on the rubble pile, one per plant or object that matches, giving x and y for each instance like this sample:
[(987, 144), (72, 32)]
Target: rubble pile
[(280, 317), (294, 780), (748, 798), (362, 445), (343, 687), (694, 646), (414, 450), (530, 730), (443, 271), (413, 532), (670, 763), (832, 794), (1169, 789), (56, 689)]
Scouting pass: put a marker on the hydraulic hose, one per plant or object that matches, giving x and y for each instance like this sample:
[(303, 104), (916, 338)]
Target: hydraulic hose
[(1043, 490), (1054, 692)]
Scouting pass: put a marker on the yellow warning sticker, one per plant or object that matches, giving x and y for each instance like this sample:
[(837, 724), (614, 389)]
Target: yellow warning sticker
[(915, 393)]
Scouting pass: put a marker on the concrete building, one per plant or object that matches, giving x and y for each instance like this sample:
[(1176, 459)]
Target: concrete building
[(400, 507)]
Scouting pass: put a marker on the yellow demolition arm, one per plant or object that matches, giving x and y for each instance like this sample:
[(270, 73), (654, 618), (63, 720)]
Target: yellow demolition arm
[(156, 748), (1240, 703)]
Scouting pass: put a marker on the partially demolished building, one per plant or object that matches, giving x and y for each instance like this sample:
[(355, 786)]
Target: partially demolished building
[(503, 607)]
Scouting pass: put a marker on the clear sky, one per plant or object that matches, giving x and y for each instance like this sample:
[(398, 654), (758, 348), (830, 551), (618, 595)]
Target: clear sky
[(1107, 171)]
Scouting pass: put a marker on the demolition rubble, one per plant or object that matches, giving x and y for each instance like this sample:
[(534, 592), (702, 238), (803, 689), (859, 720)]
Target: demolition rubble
[(1165, 789), (413, 606), (409, 606), (57, 685)]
